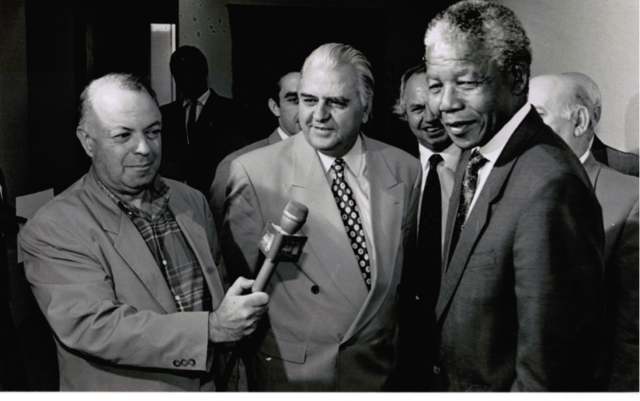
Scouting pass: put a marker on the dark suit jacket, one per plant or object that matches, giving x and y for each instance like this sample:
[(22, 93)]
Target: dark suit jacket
[(626, 163), (216, 136), (115, 322), (218, 191), (618, 196), (325, 331), (521, 300)]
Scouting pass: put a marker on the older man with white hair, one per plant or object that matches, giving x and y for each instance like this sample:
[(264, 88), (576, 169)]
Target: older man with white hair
[(566, 105), (624, 162)]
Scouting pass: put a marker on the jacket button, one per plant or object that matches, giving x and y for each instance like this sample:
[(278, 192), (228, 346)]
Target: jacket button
[(184, 362), (192, 362), (315, 289), (176, 363), (436, 370)]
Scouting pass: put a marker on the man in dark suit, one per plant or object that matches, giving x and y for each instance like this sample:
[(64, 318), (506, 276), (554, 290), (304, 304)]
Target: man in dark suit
[(332, 315), (626, 163), (125, 265), (565, 105), (200, 128), (521, 299), (438, 157), (283, 103)]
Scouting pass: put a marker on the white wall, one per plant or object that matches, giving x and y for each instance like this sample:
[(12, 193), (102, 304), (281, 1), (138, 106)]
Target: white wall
[(595, 37)]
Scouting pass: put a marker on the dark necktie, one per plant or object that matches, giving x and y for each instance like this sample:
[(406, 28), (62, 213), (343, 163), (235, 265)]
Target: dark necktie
[(351, 219), (430, 229), (469, 185), (191, 122)]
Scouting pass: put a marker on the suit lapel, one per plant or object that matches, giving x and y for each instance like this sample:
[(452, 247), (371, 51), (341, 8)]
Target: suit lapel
[(197, 239), (479, 215), (386, 197), (327, 237), (592, 167), (130, 244)]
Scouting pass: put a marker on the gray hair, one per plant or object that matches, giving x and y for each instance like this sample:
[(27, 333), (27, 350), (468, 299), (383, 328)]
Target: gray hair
[(586, 93), (335, 55), (484, 25), (121, 80), (400, 108)]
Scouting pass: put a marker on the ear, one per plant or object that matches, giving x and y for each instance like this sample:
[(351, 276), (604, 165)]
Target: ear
[(367, 114), (581, 121), (86, 140), (597, 112), (273, 106), (520, 78)]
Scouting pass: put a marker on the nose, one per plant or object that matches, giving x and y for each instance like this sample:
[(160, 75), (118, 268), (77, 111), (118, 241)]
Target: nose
[(142, 146), (321, 112), (449, 101)]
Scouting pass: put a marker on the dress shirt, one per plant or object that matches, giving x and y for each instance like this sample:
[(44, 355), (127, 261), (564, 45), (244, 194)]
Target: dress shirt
[(202, 100), (492, 150), (356, 177), (586, 154), (175, 258), (282, 134), (446, 174)]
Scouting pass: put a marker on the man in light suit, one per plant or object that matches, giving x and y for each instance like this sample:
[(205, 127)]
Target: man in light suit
[(125, 265), (283, 103), (521, 298), (332, 315), (200, 128), (568, 108), (626, 163), (438, 157)]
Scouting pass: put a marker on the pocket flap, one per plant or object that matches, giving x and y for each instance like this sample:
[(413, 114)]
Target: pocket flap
[(288, 350)]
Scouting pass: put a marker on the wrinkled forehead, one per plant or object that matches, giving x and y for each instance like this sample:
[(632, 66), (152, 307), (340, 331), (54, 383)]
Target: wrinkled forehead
[(455, 48)]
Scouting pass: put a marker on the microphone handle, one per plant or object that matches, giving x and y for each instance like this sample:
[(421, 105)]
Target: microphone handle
[(268, 267)]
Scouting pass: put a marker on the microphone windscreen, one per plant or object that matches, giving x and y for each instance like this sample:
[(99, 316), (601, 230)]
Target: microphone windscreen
[(293, 217)]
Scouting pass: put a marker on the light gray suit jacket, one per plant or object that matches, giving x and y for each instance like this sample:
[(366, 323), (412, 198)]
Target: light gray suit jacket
[(114, 319), (218, 192), (325, 331), (618, 197)]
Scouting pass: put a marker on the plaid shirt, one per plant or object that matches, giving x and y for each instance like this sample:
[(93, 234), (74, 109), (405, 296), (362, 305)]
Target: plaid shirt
[(172, 252)]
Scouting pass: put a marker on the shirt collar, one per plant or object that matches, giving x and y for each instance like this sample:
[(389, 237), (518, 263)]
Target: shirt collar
[(450, 156), (282, 134), (159, 197), (586, 154), (493, 148), (354, 159), (202, 99)]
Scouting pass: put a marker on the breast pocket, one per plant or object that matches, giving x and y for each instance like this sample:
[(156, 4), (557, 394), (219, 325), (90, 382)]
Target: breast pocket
[(281, 348), (482, 260)]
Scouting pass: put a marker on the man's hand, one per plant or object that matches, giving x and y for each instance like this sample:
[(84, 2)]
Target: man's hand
[(238, 314)]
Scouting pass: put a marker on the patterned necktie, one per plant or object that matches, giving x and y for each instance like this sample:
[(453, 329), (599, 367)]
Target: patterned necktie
[(469, 185), (351, 219), (191, 121), (430, 230)]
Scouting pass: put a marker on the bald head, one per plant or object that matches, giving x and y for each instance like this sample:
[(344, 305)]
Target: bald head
[(120, 129), (566, 107)]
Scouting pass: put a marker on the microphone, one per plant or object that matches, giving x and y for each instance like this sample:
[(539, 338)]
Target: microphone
[(281, 243)]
